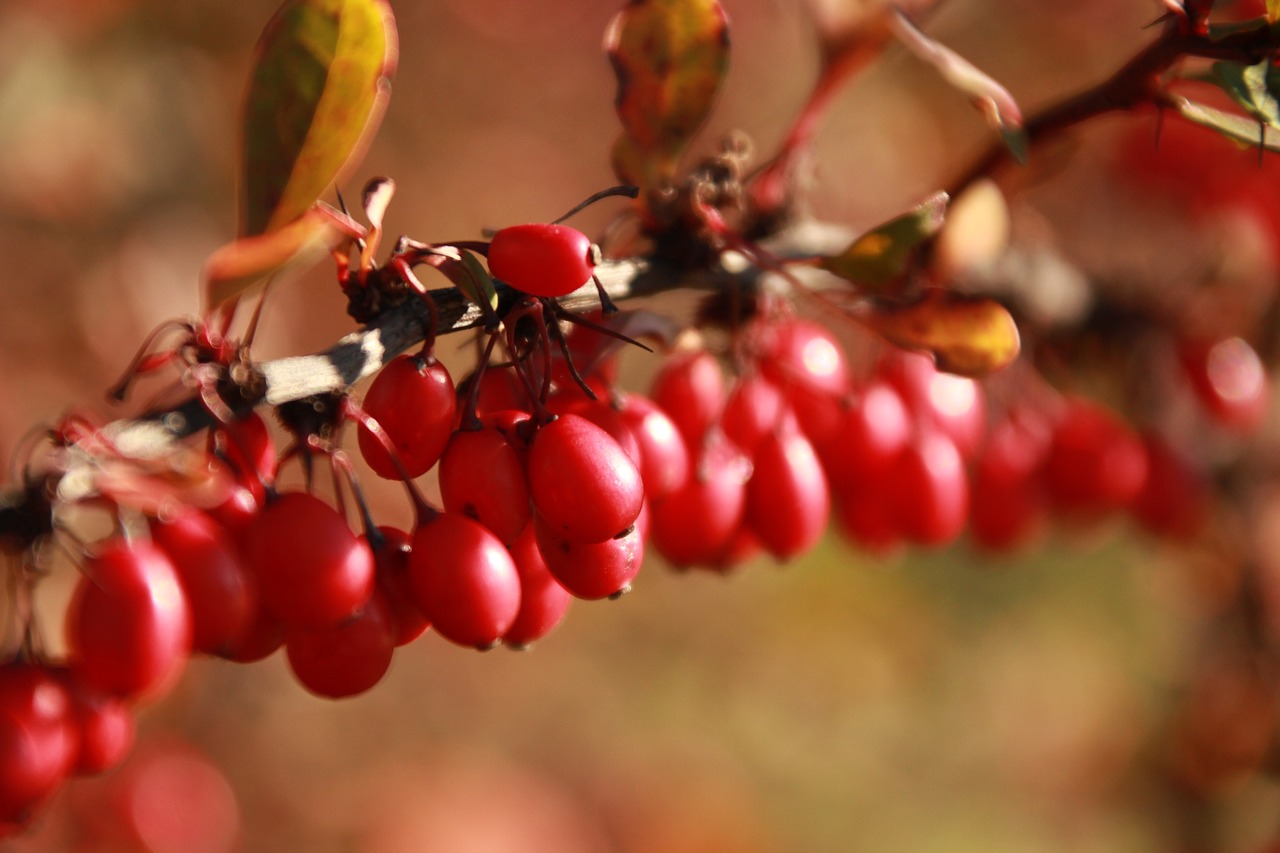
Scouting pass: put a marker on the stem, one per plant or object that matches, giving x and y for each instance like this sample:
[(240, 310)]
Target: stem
[(1137, 83)]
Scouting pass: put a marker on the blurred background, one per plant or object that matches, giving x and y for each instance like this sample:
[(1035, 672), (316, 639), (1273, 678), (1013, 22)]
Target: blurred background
[(937, 702)]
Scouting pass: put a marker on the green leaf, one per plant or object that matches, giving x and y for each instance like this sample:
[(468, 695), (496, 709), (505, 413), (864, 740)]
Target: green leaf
[(316, 94), (880, 257), (670, 57), (243, 263), (477, 285), (1243, 130), (1253, 87), (968, 335)]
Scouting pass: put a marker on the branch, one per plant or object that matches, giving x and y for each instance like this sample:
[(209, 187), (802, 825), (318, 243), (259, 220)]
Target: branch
[(1137, 83)]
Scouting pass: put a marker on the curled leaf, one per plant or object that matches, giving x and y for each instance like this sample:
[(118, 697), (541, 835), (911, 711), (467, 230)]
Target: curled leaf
[(670, 57), (968, 335), (1243, 130), (375, 198), (243, 263), (992, 99), (320, 83), (467, 274), (881, 256)]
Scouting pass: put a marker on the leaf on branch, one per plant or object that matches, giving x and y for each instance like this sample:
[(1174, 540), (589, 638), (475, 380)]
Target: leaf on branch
[(319, 86), (473, 280), (992, 99), (968, 335), (1243, 130), (1253, 87), (880, 257), (670, 57), (241, 264)]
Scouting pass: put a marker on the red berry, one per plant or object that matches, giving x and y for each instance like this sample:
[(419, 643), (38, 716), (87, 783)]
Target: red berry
[(543, 601), (541, 259), (583, 484), (694, 525), (391, 567), (753, 412), (1174, 501), (249, 448), (482, 476), (105, 727), (259, 640), (213, 576), (38, 737), (591, 570), (464, 580), (930, 491), (787, 498), (414, 402), (311, 569), (865, 515), (1229, 380), (1096, 463), (690, 389), (1007, 504), (664, 458), (873, 429), (801, 355), (954, 404), (345, 659), (128, 625)]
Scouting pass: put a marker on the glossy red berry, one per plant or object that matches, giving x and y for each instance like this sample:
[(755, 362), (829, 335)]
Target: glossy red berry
[(413, 400), (583, 484), (541, 259), (311, 569), (690, 389), (801, 355), (464, 580), (482, 477), (953, 404), (543, 601), (1229, 380), (129, 624), (753, 411), (873, 429), (346, 659), (38, 737), (664, 457), (592, 570), (930, 489), (214, 578), (787, 498)]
